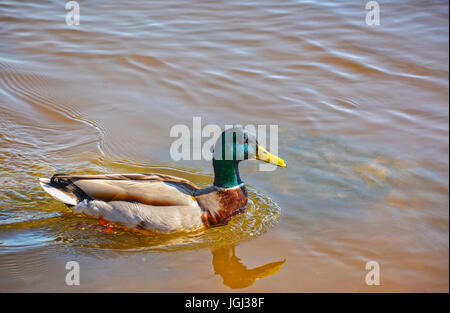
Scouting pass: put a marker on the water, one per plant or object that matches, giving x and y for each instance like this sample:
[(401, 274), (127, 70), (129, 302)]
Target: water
[(363, 126)]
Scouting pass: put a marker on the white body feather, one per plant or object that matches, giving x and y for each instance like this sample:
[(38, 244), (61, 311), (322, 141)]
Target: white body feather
[(164, 219)]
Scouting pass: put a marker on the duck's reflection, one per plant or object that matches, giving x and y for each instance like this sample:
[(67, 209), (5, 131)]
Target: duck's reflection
[(235, 274)]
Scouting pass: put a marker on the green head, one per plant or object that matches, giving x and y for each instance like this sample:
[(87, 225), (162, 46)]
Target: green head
[(232, 147)]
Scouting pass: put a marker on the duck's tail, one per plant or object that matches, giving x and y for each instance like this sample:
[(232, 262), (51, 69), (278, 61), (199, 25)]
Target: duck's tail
[(58, 192)]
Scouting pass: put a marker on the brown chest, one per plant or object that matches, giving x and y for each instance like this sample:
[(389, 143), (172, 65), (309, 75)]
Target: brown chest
[(219, 205)]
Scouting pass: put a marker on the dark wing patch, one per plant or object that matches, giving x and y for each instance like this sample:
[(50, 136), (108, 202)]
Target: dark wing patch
[(67, 185)]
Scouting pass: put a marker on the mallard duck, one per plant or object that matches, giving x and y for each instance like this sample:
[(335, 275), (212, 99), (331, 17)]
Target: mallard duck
[(164, 203)]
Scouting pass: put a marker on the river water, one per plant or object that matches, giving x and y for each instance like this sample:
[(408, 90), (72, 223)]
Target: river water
[(363, 119)]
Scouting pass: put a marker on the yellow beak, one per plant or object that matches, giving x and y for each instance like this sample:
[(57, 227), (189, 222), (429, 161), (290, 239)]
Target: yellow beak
[(268, 157)]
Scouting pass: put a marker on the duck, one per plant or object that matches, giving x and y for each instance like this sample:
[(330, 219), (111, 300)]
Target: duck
[(166, 204)]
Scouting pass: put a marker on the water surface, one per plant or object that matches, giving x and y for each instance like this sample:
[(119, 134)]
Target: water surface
[(363, 125)]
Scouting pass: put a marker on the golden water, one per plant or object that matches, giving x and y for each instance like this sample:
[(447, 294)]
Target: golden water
[(363, 126)]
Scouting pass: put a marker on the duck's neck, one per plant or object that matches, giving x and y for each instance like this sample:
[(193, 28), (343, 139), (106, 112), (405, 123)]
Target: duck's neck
[(226, 173)]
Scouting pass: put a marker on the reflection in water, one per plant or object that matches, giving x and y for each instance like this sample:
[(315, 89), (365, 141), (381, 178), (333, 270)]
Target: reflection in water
[(235, 274)]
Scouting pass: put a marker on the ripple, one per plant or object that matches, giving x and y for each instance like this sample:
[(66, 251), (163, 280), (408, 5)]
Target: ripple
[(34, 89), (24, 241)]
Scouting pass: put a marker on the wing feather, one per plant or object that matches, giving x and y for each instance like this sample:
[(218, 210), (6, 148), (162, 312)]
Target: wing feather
[(150, 189)]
